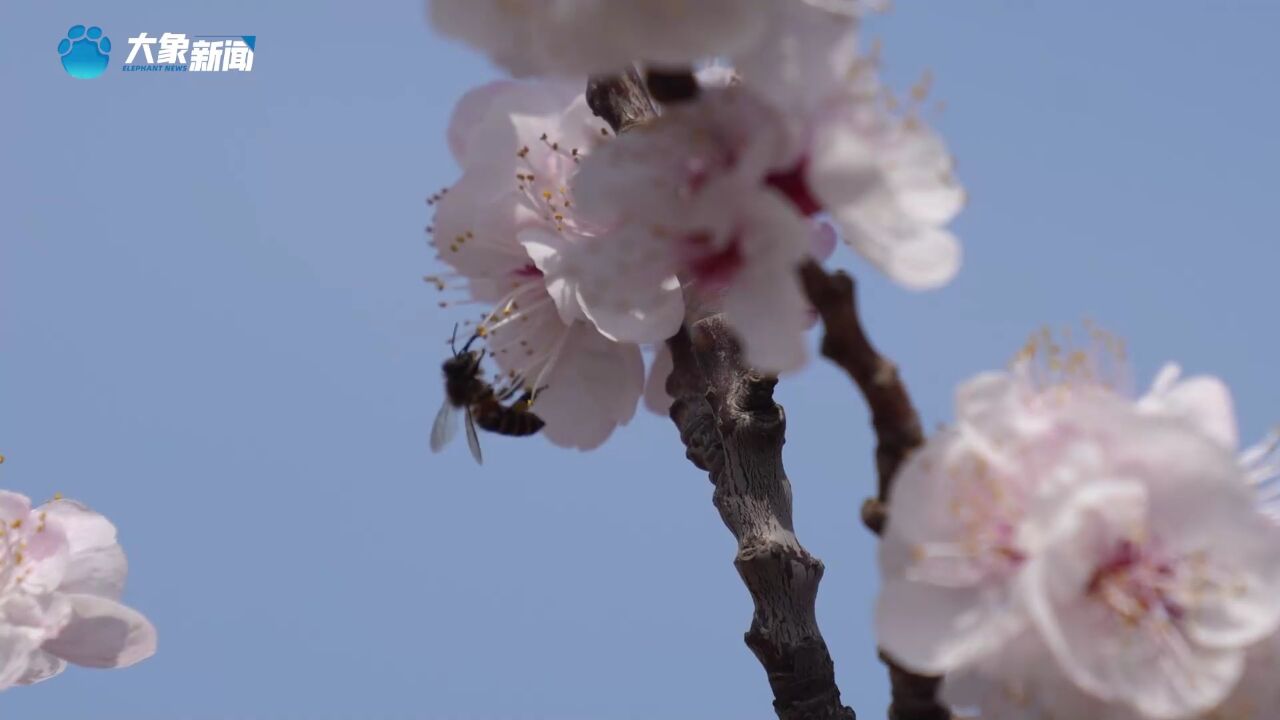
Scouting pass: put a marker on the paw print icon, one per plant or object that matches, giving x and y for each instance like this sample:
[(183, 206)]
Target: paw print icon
[(85, 52)]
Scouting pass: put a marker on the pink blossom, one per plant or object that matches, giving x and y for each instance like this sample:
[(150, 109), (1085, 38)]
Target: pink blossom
[(61, 576), (885, 178), (1113, 547), (510, 230), (688, 197)]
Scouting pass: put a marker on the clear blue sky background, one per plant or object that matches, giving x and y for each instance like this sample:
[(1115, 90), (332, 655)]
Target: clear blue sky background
[(213, 329)]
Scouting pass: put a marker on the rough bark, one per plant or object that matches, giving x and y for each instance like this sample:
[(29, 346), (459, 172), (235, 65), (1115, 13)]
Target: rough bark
[(731, 428), (898, 433), (620, 100)]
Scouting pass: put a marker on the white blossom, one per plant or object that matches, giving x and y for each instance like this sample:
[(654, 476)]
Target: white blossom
[(1064, 551), (688, 196), (510, 230), (61, 576)]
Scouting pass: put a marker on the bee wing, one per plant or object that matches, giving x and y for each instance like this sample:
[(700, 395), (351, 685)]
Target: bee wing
[(473, 440), (445, 427)]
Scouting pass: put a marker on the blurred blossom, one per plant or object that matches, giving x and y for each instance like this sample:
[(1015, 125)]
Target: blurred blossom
[(1065, 551)]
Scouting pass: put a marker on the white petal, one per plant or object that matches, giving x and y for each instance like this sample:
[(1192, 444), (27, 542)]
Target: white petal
[(916, 257), (552, 253), (469, 113), (804, 58), (41, 666), (570, 37), (934, 630), (96, 564), (628, 287), (919, 171), (1148, 666), (659, 174), (1204, 401), (14, 506), (890, 197), (764, 302), (656, 398), (475, 225), (822, 240), (46, 555), (103, 634), (592, 389), (16, 648)]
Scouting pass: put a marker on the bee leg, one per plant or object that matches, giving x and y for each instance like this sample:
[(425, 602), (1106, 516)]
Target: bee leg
[(533, 395), (526, 400), (509, 391), (473, 338)]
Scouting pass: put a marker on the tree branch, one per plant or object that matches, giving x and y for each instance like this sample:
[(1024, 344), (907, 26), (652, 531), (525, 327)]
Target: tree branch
[(620, 100), (732, 428), (898, 433)]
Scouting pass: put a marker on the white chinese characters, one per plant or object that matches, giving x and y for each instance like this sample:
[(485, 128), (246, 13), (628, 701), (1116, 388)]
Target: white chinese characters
[(221, 56), (197, 53)]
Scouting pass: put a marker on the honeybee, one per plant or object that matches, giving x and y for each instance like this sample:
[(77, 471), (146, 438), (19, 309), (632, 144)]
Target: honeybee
[(481, 404)]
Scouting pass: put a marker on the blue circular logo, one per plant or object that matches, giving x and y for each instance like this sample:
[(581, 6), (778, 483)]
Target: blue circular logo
[(85, 52)]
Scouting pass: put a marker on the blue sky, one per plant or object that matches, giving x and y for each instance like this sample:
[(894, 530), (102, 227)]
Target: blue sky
[(213, 329)]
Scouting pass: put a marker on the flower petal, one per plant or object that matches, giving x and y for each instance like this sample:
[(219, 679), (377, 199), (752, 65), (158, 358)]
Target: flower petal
[(96, 564), (656, 398), (764, 302), (1203, 400), (933, 630), (17, 644), (103, 633), (591, 390), (41, 666), (470, 112)]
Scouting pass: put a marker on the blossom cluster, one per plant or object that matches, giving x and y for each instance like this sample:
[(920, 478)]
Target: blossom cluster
[(62, 573), (589, 247), (1065, 551)]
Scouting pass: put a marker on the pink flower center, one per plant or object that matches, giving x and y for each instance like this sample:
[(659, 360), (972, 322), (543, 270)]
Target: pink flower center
[(1134, 584), (792, 185), (528, 271), (714, 266)]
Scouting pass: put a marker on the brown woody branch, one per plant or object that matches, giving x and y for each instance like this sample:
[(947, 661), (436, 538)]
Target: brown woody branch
[(731, 428), (898, 433), (620, 100)]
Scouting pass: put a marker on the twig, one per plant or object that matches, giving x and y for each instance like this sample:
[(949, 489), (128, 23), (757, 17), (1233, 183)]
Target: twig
[(898, 433)]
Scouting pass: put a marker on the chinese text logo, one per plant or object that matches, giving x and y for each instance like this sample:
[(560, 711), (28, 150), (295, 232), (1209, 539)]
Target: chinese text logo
[(85, 52), (199, 53)]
